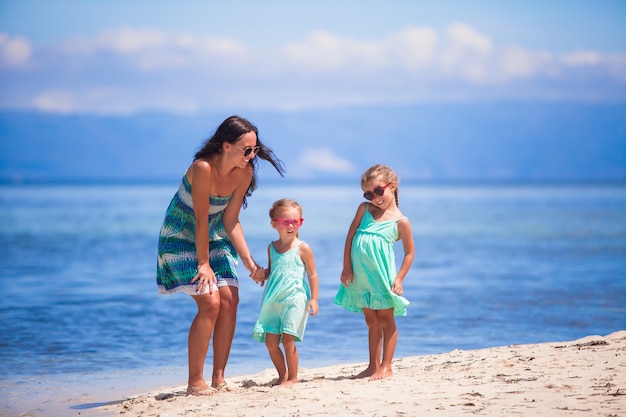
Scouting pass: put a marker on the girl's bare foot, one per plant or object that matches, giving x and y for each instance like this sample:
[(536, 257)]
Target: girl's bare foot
[(201, 390), (364, 374), (287, 383), (382, 373), (278, 381)]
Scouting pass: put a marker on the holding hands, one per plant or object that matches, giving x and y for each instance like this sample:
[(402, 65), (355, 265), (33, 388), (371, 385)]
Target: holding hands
[(259, 275)]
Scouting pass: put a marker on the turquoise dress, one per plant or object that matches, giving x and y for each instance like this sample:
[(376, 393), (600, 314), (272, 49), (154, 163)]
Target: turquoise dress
[(373, 267), (177, 262), (284, 308)]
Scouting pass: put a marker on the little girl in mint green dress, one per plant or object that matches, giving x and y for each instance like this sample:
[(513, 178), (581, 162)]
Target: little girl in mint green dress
[(287, 299), (370, 282)]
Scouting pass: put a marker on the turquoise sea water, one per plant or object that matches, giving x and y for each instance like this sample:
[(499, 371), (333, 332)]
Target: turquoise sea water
[(83, 324)]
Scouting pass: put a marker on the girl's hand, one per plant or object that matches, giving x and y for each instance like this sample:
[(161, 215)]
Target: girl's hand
[(258, 275), (313, 307), (396, 287), (347, 278), (205, 278)]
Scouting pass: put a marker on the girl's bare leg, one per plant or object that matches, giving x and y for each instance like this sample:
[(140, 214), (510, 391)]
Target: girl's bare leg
[(291, 354), (390, 338), (224, 332), (272, 342), (198, 342), (375, 338)]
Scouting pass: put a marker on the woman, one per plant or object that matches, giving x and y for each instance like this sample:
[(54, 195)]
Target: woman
[(201, 241)]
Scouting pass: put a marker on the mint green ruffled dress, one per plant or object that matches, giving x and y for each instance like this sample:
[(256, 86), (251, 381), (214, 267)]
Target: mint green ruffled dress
[(374, 269), (286, 297)]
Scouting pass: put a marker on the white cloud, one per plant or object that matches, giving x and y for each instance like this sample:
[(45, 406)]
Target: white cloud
[(153, 50), (581, 58), (613, 64), (616, 66), (128, 40), (464, 37), (466, 54), (130, 69), (324, 53), (55, 101), (321, 52), (14, 52), (516, 62), (322, 160), (412, 48), (109, 100)]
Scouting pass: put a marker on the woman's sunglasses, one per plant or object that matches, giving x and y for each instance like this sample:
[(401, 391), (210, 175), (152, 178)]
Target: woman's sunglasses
[(379, 191), (286, 222), (249, 149)]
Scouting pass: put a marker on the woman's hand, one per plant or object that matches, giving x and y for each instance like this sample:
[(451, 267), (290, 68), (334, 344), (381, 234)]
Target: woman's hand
[(205, 278)]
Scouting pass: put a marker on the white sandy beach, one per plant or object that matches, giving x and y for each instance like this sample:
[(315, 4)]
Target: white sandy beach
[(586, 377)]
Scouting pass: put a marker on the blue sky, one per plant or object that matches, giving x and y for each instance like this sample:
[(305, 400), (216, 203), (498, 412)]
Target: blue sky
[(125, 57)]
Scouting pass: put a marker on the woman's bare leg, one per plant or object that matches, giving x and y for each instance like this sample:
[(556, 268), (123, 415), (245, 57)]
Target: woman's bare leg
[(224, 332), (198, 342)]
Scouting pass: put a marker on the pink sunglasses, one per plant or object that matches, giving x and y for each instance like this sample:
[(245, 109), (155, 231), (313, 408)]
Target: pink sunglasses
[(286, 222)]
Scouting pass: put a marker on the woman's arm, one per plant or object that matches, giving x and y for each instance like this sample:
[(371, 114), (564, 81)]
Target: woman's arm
[(233, 226), (306, 254), (200, 192), (265, 271)]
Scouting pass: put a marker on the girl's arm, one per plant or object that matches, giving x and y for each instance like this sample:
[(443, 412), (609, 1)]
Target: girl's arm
[(200, 192), (306, 254), (266, 272), (404, 232), (233, 226), (346, 274)]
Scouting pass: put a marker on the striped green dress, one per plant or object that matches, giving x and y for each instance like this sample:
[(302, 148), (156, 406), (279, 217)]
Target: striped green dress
[(177, 262)]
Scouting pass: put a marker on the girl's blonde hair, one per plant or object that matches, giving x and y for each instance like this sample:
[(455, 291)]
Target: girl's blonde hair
[(383, 173), (283, 203)]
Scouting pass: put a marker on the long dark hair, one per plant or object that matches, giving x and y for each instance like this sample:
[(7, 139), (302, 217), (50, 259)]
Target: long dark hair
[(231, 130)]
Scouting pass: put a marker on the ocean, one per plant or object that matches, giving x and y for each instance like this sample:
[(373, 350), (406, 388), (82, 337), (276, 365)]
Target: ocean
[(83, 324)]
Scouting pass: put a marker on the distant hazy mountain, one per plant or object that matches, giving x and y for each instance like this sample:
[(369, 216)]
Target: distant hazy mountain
[(534, 142)]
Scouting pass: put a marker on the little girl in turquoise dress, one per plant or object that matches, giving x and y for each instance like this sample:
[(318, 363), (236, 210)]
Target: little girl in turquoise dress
[(287, 298), (369, 279)]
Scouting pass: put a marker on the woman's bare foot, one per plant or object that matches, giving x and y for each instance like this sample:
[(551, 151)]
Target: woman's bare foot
[(382, 373), (222, 386)]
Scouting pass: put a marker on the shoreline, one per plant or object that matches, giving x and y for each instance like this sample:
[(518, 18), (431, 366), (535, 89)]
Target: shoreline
[(582, 377)]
